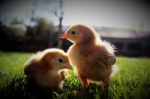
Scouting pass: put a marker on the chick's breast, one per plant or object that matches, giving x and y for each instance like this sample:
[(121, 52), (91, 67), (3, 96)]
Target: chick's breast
[(49, 79), (76, 58), (81, 58)]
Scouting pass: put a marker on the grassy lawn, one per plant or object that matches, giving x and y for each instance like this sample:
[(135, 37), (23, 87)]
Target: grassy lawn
[(131, 82)]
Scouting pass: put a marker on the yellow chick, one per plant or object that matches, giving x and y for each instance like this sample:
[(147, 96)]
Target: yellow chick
[(47, 68), (93, 58)]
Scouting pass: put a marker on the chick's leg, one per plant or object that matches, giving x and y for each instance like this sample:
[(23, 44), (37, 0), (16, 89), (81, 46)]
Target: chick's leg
[(84, 81), (62, 74), (105, 85)]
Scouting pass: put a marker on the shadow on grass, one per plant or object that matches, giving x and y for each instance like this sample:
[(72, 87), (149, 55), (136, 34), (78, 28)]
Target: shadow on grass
[(21, 88)]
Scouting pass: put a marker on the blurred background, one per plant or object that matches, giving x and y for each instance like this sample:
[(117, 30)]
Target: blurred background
[(34, 25)]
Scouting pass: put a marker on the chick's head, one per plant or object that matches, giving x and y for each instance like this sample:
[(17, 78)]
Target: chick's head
[(49, 59), (56, 59), (79, 34)]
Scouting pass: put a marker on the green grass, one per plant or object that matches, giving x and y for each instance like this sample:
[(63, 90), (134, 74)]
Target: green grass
[(131, 82)]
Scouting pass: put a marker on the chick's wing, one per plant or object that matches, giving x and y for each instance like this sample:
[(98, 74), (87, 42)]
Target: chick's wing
[(102, 58), (107, 59)]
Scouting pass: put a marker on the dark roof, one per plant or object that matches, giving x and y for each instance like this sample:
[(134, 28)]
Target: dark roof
[(121, 33)]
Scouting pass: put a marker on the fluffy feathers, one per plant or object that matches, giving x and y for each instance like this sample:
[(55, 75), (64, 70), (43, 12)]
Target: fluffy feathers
[(93, 58), (46, 68)]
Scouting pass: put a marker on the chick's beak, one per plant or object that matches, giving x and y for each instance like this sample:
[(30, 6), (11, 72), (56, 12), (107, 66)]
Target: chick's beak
[(64, 36), (68, 66)]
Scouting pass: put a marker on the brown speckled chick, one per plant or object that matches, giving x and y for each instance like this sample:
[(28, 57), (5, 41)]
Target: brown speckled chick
[(47, 68), (93, 58)]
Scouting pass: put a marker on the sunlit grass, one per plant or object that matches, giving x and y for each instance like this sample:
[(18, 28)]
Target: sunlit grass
[(131, 82), (11, 65)]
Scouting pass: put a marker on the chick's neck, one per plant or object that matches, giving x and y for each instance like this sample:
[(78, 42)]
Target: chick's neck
[(86, 41)]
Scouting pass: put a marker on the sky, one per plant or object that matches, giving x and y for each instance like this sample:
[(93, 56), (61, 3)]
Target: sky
[(109, 13)]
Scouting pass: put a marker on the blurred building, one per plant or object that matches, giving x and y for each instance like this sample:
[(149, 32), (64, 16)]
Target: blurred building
[(127, 41)]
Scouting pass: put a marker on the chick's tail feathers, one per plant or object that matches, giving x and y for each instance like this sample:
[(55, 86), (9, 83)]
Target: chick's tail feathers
[(110, 47), (115, 69)]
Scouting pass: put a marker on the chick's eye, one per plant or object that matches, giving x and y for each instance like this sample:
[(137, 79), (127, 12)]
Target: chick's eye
[(60, 60), (73, 32)]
